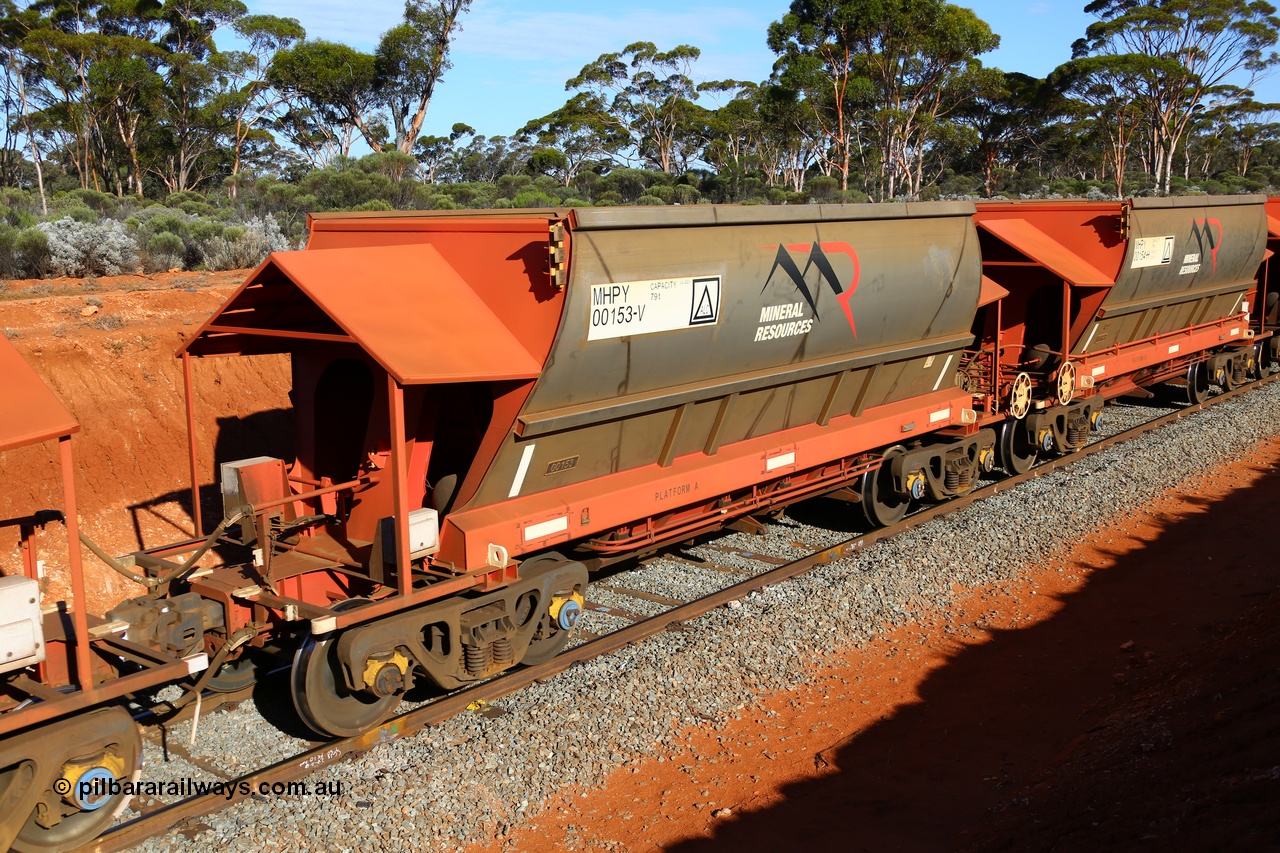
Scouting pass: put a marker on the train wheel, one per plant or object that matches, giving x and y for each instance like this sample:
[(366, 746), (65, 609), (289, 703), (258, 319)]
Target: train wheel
[(110, 750), (1017, 452), (1268, 356), (1197, 383), (320, 692), (881, 503)]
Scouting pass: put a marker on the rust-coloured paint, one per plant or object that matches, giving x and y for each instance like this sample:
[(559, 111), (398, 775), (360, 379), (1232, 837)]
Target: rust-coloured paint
[(1133, 270), (383, 300), (29, 412), (683, 334)]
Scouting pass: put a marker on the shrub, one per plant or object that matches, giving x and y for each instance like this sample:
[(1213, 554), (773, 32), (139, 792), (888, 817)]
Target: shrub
[(823, 188), (649, 199), (163, 251), (666, 195), (374, 204), (533, 198), (8, 251), (82, 214), (243, 246), (203, 229), (79, 248), (100, 202), (196, 208), (32, 247), (173, 223), (179, 198), (686, 194)]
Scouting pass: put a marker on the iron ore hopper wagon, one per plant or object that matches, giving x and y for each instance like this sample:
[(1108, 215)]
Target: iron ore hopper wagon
[(489, 406)]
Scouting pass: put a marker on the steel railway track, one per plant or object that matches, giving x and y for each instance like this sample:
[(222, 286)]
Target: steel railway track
[(158, 819)]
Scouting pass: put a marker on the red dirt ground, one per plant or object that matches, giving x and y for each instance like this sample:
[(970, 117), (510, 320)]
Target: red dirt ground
[(1125, 697), (113, 367)]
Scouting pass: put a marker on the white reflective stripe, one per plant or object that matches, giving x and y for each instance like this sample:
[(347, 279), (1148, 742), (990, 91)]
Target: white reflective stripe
[(943, 415), (546, 528), (1093, 330), (1235, 332), (1099, 370), (521, 471), (779, 461), (198, 662), (1174, 348), (945, 365)]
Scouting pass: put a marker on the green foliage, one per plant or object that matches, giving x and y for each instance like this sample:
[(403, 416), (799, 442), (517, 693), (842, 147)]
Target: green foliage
[(33, 257), (80, 213), (533, 198), (8, 251), (648, 199), (664, 194)]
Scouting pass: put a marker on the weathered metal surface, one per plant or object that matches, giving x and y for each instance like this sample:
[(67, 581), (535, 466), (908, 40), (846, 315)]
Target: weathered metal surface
[(774, 302), (1138, 269), (29, 412), (403, 305)]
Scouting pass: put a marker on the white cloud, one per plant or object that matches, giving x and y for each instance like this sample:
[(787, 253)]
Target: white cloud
[(356, 24), (514, 31)]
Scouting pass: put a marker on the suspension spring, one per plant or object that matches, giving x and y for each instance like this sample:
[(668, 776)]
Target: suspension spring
[(1077, 435), (502, 652), (952, 479), (477, 658)]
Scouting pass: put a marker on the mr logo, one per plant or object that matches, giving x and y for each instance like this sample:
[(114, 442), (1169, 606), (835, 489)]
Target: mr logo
[(1208, 235), (818, 256)]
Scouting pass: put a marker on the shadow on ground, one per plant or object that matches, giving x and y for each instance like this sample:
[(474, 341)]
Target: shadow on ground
[(1001, 714)]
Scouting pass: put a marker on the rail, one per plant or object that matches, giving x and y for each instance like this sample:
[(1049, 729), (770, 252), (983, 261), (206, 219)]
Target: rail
[(135, 831)]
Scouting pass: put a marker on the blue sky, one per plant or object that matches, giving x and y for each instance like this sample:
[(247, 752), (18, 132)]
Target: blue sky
[(512, 57)]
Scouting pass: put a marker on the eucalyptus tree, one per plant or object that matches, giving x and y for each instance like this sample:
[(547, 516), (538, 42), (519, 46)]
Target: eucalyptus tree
[(189, 124), (329, 95), (1005, 110), (577, 136), (383, 95), (894, 64), (647, 93), (1171, 57), (435, 153), (248, 98), (409, 62)]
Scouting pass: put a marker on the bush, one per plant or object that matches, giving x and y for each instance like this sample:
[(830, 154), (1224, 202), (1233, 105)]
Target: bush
[(82, 214), (686, 194), (8, 251), (244, 246), (164, 251), (823, 188), (79, 248), (532, 198), (32, 247), (648, 199), (203, 229), (666, 195), (100, 202), (374, 204)]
